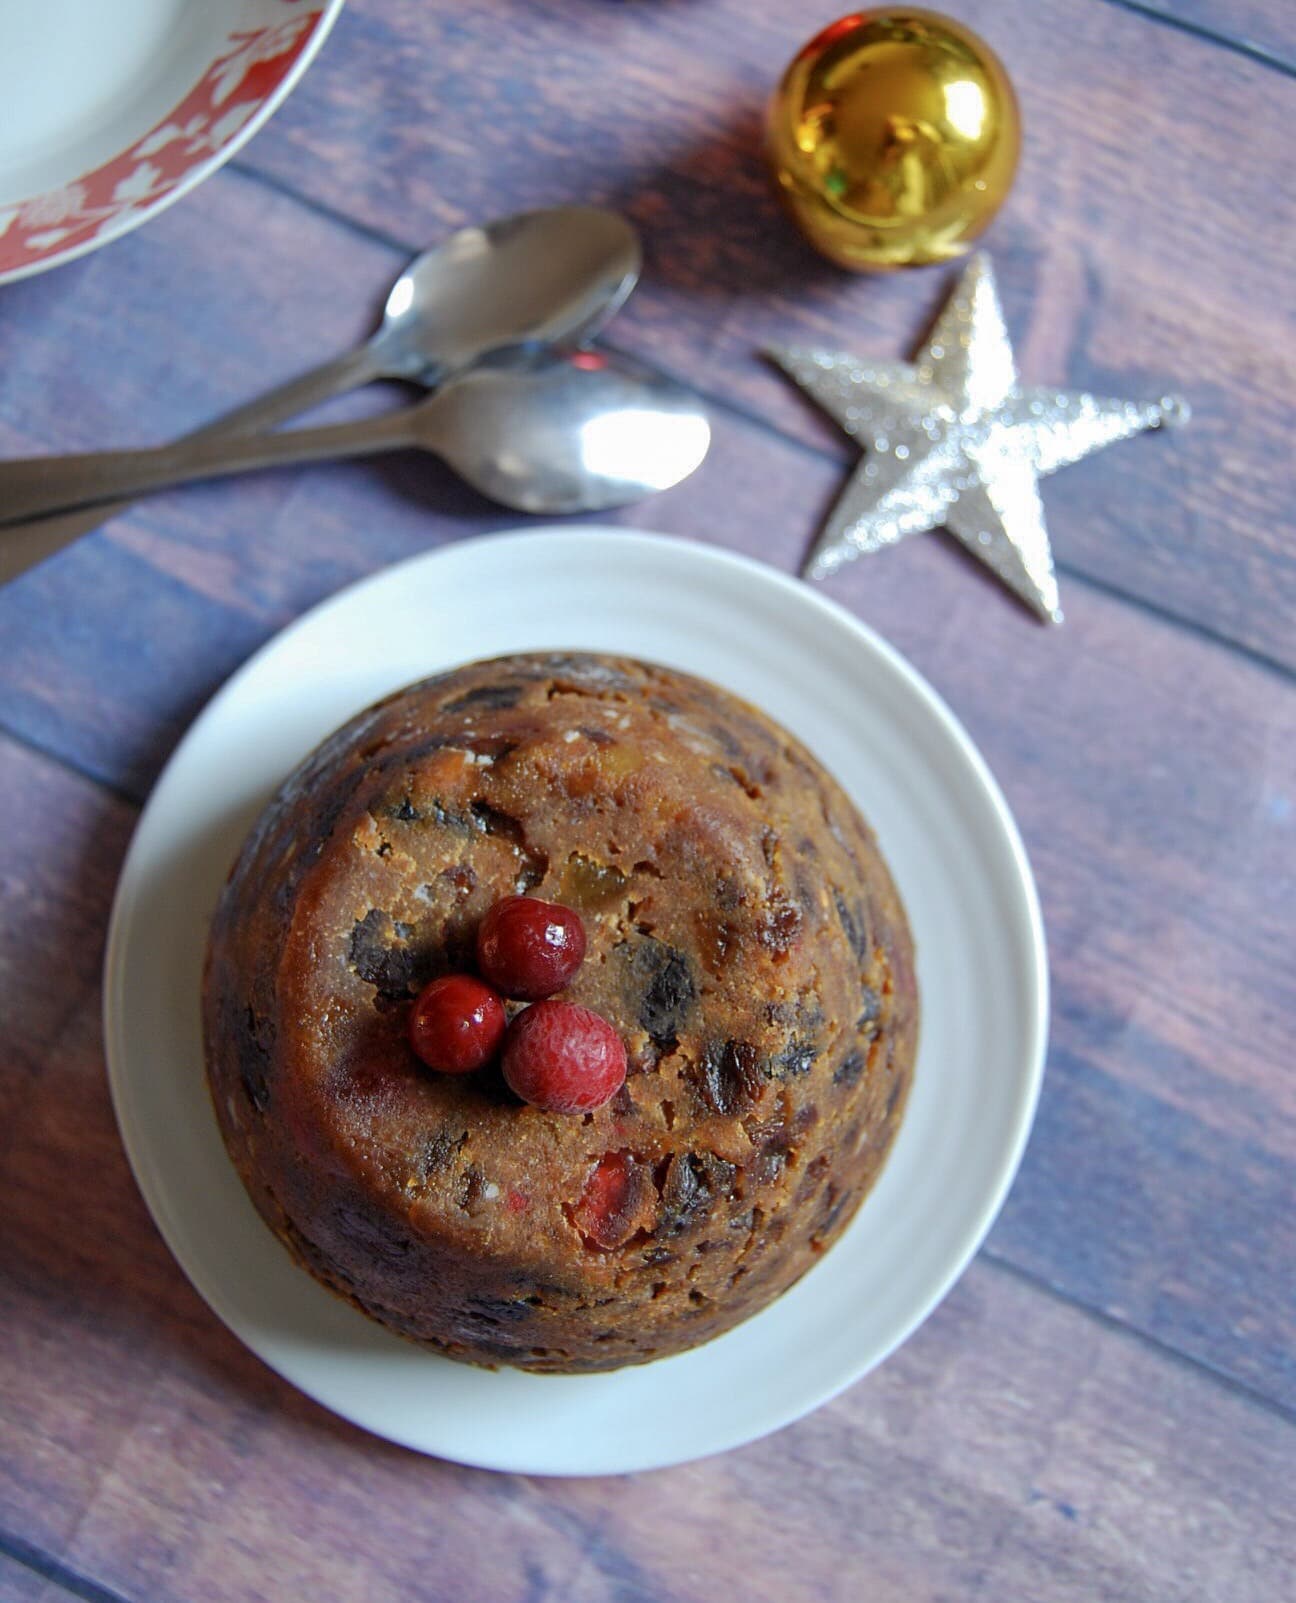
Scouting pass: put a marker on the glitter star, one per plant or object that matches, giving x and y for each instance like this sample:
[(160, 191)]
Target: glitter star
[(953, 439)]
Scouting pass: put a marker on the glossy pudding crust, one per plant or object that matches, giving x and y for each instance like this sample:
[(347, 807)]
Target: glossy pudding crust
[(745, 939)]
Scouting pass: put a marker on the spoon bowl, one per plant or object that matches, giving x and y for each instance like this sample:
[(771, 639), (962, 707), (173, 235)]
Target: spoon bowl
[(575, 433), (541, 277)]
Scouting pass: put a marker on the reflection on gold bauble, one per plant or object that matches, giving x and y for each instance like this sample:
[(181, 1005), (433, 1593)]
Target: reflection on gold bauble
[(894, 138)]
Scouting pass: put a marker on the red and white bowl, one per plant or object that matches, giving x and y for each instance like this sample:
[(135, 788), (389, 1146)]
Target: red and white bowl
[(111, 111)]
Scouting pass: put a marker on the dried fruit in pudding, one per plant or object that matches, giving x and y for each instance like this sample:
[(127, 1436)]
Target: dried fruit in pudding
[(744, 941)]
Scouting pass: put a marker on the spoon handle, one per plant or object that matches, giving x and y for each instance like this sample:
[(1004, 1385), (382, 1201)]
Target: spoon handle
[(342, 373), (33, 485), (38, 538)]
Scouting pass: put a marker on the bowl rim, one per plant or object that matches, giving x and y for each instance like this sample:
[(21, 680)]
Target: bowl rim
[(325, 15)]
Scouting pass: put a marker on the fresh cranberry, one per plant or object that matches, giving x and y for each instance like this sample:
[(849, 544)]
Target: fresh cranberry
[(457, 1024), (563, 1058), (529, 948)]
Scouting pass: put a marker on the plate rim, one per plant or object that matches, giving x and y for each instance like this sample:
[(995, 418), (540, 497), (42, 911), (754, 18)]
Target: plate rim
[(133, 218), (1036, 987)]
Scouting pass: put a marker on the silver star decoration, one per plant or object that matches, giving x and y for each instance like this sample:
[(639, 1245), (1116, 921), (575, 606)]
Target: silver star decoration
[(952, 438)]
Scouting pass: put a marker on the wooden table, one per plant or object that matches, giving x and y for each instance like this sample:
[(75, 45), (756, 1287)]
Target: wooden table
[(1103, 1408)]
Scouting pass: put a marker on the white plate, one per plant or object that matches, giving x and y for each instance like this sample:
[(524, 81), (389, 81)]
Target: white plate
[(112, 109), (944, 828)]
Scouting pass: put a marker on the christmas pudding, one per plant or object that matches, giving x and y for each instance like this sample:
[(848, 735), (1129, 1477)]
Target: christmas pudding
[(742, 950)]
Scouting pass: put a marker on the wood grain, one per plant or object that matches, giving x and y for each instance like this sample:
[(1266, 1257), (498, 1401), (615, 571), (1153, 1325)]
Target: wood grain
[(1017, 1447), (18, 1584), (1105, 1407), (1268, 26), (32, 1583), (1140, 253), (1160, 837)]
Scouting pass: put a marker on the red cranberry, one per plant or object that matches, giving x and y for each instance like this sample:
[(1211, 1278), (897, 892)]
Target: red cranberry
[(529, 948), (457, 1024), (563, 1058)]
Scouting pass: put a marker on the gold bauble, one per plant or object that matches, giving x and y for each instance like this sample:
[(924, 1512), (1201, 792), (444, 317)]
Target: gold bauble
[(894, 138)]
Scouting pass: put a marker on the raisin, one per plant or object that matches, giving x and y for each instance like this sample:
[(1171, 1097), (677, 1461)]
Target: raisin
[(771, 1136), (728, 1079), (777, 1140), (669, 990), (378, 955), (487, 696), (255, 1037), (850, 1069), (693, 1182), (497, 1311), (766, 1167), (454, 819), (854, 926), (682, 1195), (803, 1011), (472, 1189), (494, 821), (832, 1207), (253, 1062), (795, 1059), (440, 1150), (870, 1007), (815, 1171)]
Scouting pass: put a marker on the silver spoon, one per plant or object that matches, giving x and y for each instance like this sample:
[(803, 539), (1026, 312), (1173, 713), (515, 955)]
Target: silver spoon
[(558, 433), (555, 275)]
